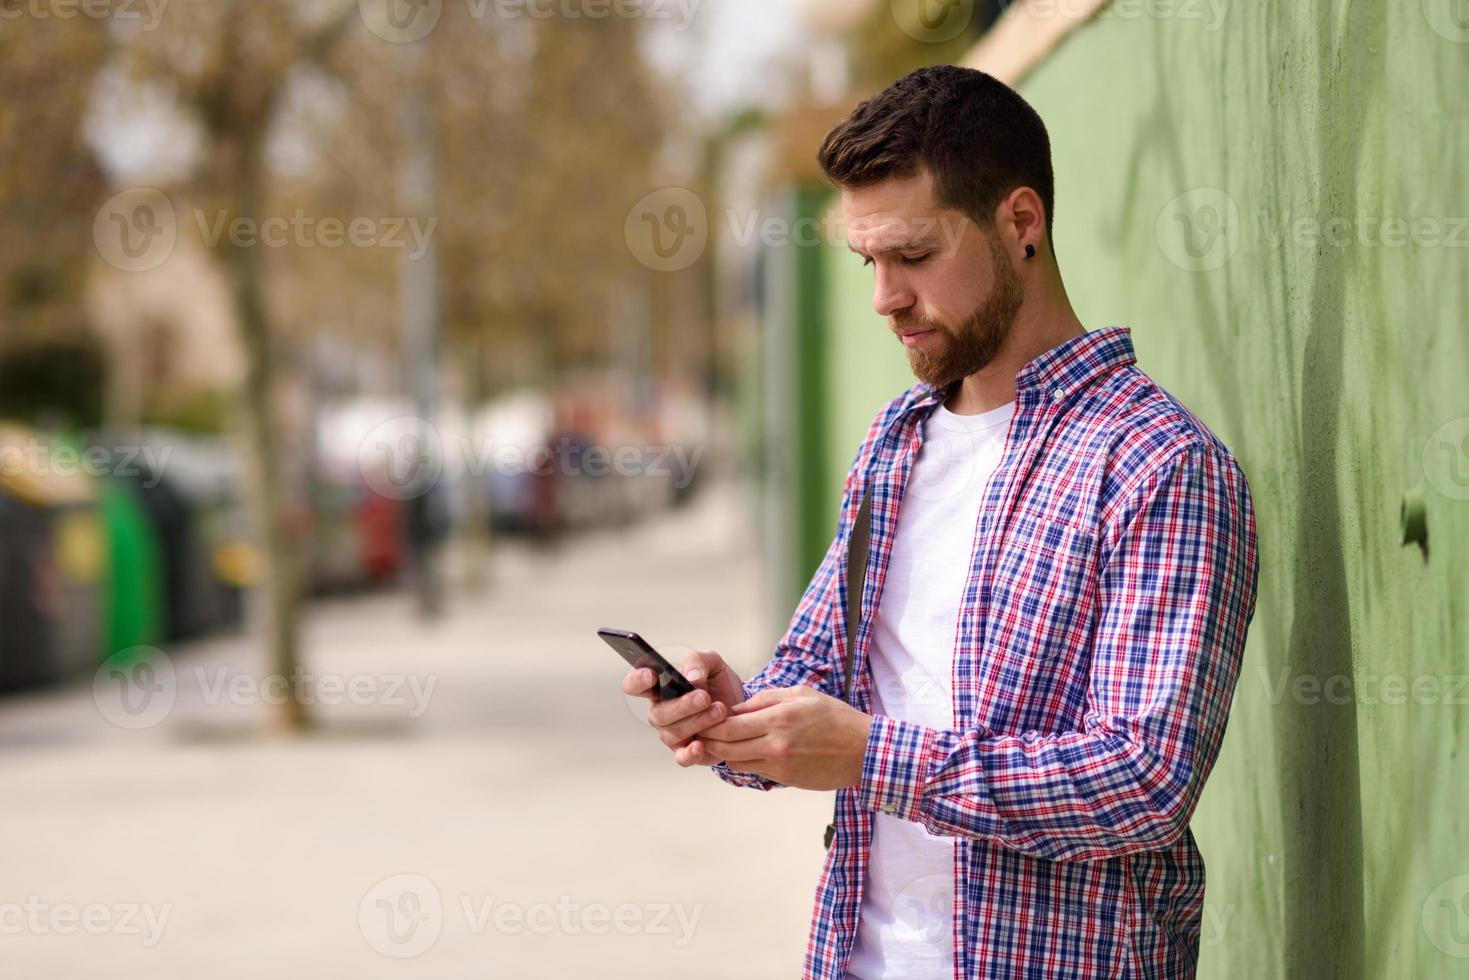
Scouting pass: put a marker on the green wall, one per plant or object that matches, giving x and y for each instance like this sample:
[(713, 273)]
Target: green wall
[(1336, 367)]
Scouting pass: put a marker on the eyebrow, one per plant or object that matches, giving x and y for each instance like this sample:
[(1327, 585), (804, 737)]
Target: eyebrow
[(913, 245)]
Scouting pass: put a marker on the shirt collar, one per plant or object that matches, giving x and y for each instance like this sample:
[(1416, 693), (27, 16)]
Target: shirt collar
[(1056, 373)]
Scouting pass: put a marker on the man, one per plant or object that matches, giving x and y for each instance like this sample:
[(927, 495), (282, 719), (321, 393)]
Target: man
[(1062, 571)]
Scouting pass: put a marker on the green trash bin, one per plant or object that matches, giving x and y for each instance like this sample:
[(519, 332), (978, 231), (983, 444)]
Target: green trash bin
[(134, 593)]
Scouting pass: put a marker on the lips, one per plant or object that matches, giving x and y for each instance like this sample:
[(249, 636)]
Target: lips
[(911, 337)]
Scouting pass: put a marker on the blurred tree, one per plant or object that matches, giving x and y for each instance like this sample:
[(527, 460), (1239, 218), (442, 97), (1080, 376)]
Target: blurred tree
[(50, 186), (550, 129), (548, 132), (230, 63)]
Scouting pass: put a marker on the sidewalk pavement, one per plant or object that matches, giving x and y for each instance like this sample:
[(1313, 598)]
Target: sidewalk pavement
[(479, 801)]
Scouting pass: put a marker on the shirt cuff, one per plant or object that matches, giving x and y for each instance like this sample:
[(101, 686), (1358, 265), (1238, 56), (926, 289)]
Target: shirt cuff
[(896, 766), (747, 779)]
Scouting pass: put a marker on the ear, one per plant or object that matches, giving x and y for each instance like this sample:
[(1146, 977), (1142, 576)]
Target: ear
[(1021, 220)]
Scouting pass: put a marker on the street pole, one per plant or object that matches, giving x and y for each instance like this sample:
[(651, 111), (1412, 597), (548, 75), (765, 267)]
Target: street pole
[(419, 300)]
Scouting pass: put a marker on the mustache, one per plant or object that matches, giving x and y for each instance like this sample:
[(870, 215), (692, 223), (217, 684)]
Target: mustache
[(910, 323)]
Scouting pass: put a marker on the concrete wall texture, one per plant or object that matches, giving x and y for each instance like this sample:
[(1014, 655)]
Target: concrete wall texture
[(1274, 197)]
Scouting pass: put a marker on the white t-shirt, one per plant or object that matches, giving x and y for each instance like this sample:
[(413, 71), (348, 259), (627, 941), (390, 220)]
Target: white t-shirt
[(906, 927)]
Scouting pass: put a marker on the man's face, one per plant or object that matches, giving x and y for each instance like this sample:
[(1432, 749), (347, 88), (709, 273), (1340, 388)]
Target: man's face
[(946, 285)]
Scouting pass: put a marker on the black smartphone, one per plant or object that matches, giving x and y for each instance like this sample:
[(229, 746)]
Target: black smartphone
[(638, 652)]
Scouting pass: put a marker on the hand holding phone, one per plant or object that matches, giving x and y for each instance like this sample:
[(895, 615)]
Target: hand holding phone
[(639, 654), (714, 688)]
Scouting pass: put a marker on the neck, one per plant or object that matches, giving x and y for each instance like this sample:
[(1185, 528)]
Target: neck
[(1043, 322)]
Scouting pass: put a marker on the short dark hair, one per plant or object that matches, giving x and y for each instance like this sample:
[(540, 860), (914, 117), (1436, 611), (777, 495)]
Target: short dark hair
[(974, 133)]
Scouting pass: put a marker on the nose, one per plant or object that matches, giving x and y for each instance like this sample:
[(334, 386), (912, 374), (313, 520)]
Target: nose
[(891, 294)]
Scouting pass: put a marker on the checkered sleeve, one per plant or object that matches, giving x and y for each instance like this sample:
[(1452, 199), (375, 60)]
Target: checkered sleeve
[(1176, 593), (804, 654)]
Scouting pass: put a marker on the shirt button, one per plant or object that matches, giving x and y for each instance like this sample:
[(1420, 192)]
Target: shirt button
[(1057, 394)]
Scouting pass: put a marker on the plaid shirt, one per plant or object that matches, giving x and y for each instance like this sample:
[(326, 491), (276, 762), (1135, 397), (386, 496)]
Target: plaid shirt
[(1098, 644)]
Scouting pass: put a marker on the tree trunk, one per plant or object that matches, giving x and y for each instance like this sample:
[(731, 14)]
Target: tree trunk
[(280, 574)]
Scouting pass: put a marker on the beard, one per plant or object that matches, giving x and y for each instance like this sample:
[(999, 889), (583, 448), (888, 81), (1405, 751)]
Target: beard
[(958, 352)]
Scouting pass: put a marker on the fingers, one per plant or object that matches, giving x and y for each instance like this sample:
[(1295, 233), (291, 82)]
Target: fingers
[(749, 750), (695, 754), (676, 734), (639, 683), (737, 729), (769, 698), (665, 713)]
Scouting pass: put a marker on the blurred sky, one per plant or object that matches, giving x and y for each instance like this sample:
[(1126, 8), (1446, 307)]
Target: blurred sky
[(729, 58)]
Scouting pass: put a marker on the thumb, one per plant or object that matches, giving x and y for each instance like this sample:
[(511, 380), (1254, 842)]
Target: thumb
[(699, 665)]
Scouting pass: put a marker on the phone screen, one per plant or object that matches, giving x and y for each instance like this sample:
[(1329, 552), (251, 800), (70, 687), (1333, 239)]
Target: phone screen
[(639, 653)]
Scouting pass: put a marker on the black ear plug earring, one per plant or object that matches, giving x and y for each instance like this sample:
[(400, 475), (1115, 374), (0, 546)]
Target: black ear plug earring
[(1029, 251)]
